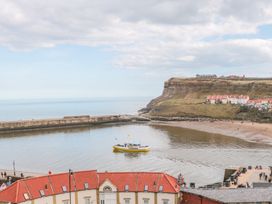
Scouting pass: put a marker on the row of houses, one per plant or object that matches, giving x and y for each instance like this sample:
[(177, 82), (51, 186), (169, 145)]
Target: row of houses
[(260, 103), (225, 99)]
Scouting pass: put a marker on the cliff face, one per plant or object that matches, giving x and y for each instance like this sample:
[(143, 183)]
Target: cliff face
[(186, 97)]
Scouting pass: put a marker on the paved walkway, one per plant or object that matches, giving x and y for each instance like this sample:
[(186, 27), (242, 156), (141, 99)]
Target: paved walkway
[(251, 176)]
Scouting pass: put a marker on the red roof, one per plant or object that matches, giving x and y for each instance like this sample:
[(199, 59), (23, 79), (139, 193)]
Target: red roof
[(53, 184)]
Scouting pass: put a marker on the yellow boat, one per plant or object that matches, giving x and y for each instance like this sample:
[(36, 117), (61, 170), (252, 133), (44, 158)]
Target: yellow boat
[(128, 147)]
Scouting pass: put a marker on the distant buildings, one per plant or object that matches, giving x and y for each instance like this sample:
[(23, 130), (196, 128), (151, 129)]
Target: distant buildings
[(225, 99), (261, 103), (214, 76), (92, 187), (207, 76), (243, 100)]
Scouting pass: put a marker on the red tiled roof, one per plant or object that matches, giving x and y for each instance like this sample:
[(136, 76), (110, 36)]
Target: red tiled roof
[(52, 184), (137, 181)]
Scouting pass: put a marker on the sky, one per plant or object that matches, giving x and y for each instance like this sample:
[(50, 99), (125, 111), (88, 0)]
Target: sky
[(127, 48)]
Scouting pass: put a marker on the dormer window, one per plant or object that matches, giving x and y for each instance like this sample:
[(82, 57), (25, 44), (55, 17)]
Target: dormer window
[(161, 189), (146, 188), (107, 189), (42, 193), (64, 189), (26, 196), (126, 188), (86, 186)]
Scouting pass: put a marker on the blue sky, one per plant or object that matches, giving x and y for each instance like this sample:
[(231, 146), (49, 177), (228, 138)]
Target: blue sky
[(71, 71), (101, 48)]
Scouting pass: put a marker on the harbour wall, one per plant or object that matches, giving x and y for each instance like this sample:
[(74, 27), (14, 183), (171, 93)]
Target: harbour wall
[(65, 122)]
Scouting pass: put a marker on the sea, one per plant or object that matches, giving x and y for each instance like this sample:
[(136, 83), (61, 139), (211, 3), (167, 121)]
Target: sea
[(200, 157)]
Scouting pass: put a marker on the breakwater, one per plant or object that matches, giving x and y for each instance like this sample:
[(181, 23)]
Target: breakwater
[(66, 122)]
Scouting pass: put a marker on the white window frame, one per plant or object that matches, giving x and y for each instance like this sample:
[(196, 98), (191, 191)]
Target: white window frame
[(64, 189), (127, 200), (87, 200), (165, 201), (146, 200), (26, 196), (86, 186), (65, 201)]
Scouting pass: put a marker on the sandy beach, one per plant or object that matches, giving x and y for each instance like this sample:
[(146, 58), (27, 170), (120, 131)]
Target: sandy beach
[(252, 132)]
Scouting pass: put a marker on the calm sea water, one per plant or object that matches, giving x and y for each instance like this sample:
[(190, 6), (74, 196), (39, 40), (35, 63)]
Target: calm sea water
[(50, 108), (201, 157)]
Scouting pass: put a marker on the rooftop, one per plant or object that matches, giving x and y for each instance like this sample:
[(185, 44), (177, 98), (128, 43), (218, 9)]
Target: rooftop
[(36, 187), (237, 195)]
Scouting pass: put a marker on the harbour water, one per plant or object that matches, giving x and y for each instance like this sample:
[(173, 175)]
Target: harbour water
[(200, 157)]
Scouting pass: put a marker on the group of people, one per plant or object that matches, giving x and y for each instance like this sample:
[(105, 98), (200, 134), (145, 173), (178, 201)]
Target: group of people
[(264, 176), (5, 175)]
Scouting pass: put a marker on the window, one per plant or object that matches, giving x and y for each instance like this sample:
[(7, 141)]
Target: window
[(102, 202), (107, 189), (126, 188), (165, 201), (161, 189), (86, 186), (42, 193), (146, 201), (65, 201), (64, 189), (26, 196), (87, 200), (127, 200), (146, 188)]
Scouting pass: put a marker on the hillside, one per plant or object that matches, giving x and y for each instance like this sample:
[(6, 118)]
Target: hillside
[(186, 97)]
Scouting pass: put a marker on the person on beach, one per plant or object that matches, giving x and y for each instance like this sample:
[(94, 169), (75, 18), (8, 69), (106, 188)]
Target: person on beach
[(5, 174), (2, 174)]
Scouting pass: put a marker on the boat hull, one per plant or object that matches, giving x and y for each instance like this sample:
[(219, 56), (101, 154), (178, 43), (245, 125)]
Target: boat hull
[(125, 149)]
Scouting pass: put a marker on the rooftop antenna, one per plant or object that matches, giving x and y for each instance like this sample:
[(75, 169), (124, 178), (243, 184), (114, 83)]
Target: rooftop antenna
[(14, 171)]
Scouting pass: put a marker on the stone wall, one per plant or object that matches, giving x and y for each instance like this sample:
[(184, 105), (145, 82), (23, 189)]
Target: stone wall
[(67, 121)]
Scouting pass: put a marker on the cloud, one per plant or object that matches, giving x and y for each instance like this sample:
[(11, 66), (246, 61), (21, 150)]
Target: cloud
[(145, 33)]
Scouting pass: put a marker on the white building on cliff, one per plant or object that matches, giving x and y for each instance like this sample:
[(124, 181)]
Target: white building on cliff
[(225, 99)]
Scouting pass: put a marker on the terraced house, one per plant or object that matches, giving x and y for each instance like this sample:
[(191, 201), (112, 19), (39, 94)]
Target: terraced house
[(92, 187)]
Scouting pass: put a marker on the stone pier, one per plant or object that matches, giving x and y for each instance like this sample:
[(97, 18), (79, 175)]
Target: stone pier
[(67, 121)]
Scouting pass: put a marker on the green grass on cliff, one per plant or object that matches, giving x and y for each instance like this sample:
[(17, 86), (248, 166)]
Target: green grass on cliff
[(193, 107), (186, 97)]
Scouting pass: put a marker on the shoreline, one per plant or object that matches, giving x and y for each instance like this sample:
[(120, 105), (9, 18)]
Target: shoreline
[(249, 131), (245, 130)]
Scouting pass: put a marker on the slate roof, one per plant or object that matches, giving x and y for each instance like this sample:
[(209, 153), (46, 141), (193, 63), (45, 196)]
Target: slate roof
[(238, 195)]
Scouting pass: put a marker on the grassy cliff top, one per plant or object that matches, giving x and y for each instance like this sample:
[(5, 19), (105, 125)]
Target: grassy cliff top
[(221, 79), (187, 96)]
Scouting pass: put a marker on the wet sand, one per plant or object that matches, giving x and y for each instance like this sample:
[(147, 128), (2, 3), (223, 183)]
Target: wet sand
[(249, 131)]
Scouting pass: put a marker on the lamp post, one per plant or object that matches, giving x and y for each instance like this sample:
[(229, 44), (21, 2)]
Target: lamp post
[(70, 195)]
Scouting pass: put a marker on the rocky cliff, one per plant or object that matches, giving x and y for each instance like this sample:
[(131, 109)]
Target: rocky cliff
[(186, 97)]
